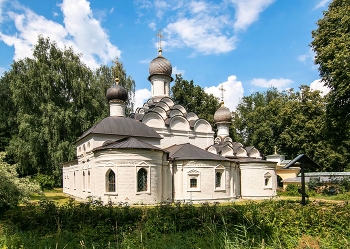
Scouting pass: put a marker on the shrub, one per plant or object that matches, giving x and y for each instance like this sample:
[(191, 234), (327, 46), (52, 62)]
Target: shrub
[(12, 188), (45, 181)]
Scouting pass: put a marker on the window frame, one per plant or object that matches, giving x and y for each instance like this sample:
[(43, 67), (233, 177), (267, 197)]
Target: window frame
[(222, 170), (193, 174), (269, 179), (108, 183)]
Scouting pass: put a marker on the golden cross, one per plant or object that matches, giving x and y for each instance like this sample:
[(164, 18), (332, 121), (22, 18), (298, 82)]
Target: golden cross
[(160, 36), (222, 90)]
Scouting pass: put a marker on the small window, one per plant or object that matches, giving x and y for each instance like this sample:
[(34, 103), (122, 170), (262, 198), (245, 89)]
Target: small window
[(83, 180), (218, 179), (193, 183), (89, 179), (111, 181), (142, 180), (268, 180)]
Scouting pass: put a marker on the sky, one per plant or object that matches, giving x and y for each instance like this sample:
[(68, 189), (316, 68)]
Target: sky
[(246, 46)]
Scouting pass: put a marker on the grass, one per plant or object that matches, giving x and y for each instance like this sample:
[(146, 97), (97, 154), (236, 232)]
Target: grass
[(56, 195)]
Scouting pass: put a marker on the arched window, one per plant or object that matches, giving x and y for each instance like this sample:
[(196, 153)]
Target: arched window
[(142, 180), (88, 179), (111, 181), (83, 180), (218, 179)]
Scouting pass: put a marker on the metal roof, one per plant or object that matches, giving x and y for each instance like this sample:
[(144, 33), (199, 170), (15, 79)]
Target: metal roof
[(122, 126), (128, 143), (300, 158), (191, 152)]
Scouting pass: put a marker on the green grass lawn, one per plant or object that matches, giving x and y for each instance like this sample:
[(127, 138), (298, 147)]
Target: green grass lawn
[(56, 195)]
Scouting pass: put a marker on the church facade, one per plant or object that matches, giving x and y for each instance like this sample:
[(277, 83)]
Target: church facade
[(163, 152)]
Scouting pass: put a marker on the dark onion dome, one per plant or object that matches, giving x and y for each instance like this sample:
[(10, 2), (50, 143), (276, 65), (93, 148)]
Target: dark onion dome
[(117, 92), (222, 115), (160, 65)]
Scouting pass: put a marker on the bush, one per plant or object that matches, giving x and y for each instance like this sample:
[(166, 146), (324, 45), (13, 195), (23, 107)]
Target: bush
[(12, 188), (45, 181)]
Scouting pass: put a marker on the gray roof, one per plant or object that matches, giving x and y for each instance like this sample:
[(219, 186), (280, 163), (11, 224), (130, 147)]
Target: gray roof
[(327, 174), (301, 158), (190, 152), (122, 126), (128, 143), (323, 179)]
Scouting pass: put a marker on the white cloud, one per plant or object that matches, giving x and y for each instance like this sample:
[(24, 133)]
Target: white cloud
[(280, 84), (178, 71), (318, 85), (309, 56), (247, 12), (81, 31), (232, 94), (197, 7), (141, 96), (321, 4), (203, 34), (111, 10), (207, 27), (152, 25)]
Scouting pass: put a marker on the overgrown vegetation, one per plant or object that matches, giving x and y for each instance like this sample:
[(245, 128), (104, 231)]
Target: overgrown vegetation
[(12, 188), (269, 224)]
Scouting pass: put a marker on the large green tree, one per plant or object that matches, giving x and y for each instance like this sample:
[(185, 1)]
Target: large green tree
[(194, 98), (331, 43), (48, 101), (294, 122)]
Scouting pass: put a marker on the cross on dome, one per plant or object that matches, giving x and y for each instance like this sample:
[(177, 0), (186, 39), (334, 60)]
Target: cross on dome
[(160, 36), (222, 90)]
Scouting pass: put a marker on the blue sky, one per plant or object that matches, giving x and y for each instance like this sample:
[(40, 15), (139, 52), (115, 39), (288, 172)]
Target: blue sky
[(244, 45)]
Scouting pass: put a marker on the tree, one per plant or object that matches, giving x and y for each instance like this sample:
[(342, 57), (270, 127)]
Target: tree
[(331, 43), (294, 122), (12, 188), (56, 97), (194, 98), (7, 113), (255, 120), (106, 76)]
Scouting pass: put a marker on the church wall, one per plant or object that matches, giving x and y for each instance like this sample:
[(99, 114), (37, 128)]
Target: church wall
[(204, 172), (258, 180), (125, 164)]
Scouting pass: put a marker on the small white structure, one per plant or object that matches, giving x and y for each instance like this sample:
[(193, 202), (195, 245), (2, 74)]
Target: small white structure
[(163, 152)]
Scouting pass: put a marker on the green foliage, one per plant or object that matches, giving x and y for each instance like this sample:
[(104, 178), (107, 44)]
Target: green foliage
[(48, 101), (106, 76), (194, 99), (45, 181), (12, 188), (292, 121), (268, 224), (331, 43)]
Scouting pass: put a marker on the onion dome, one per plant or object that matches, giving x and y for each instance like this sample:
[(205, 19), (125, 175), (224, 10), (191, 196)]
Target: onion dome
[(117, 92), (160, 65), (222, 115)]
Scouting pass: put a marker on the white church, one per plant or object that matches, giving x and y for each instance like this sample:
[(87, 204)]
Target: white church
[(163, 152)]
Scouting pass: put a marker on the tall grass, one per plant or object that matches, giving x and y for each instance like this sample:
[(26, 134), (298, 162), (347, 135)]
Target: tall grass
[(269, 224)]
